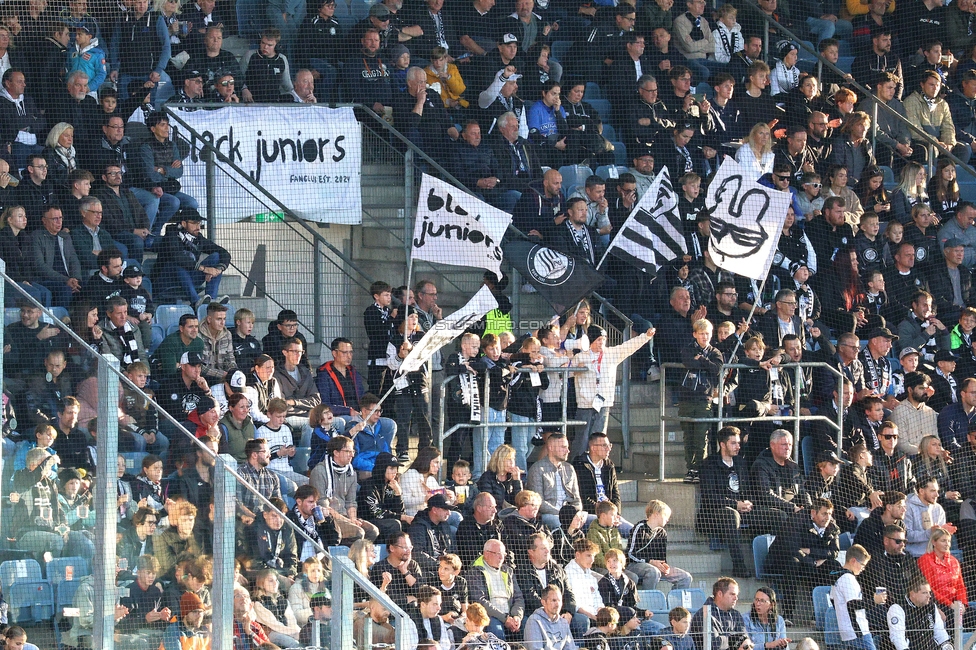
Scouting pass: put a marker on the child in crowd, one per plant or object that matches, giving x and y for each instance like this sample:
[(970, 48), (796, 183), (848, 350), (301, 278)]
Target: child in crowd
[(727, 34), (677, 635), (618, 589), (281, 445), (810, 200), (498, 376), (108, 100), (378, 321), (453, 588), (785, 76), (86, 56), (691, 202), (649, 547), (893, 235), (246, 347), (141, 306), (324, 429), (400, 56), (523, 398), (867, 244), (463, 487)]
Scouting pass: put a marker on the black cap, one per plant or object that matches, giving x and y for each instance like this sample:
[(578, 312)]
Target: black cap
[(190, 214), (593, 332), (946, 355), (626, 614), (205, 404), (882, 331), (830, 457), (132, 271), (191, 358), (190, 73), (386, 459), (438, 501)]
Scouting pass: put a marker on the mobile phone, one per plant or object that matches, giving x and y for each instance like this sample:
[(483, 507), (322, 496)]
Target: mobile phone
[(698, 97)]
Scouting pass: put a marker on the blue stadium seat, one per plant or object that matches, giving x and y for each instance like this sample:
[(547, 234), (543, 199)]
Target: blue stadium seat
[(133, 462), (826, 616), (574, 176), (168, 316), (653, 600), (59, 312), (967, 192), (11, 315), (593, 91), (602, 106), (677, 598), (807, 455), (620, 153), (609, 132), (59, 568), (64, 594), (844, 63), (760, 549), (560, 49), (889, 176), (158, 334), (29, 596), (300, 461), (336, 551), (607, 172), (381, 552)]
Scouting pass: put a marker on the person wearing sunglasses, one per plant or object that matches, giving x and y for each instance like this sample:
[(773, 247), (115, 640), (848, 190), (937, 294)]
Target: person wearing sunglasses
[(224, 89), (892, 469), (893, 569)]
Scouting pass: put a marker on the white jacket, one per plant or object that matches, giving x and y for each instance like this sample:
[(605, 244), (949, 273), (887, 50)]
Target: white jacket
[(601, 377), (732, 36)]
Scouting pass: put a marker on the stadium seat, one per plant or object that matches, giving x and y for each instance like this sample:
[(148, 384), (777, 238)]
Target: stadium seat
[(29, 596), (609, 132), (844, 63), (560, 49), (381, 552), (593, 91), (133, 462), (64, 594), (620, 153), (760, 549), (168, 316), (59, 312), (826, 616), (807, 455), (602, 106), (300, 461), (59, 568), (574, 176), (606, 172), (653, 600), (889, 177), (693, 601), (11, 315)]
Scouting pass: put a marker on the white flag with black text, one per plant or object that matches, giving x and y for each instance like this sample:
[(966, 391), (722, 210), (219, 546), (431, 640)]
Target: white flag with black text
[(747, 220), (653, 229)]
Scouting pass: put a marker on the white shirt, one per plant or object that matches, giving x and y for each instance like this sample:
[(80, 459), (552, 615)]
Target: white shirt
[(896, 628), (277, 440), (846, 589), (585, 587)]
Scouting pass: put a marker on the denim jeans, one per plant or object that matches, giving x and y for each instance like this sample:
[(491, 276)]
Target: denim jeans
[(520, 439), (158, 448), (135, 245), (188, 281), (496, 438), (865, 642), (60, 292), (595, 421), (162, 91), (159, 209)]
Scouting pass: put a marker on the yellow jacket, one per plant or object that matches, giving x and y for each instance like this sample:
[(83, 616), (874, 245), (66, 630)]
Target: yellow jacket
[(452, 90)]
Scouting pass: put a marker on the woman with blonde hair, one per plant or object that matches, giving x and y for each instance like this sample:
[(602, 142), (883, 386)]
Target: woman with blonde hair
[(943, 571), (503, 478), (17, 250), (910, 192), (756, 153), (363, 555), (60, 154), (273, 610)]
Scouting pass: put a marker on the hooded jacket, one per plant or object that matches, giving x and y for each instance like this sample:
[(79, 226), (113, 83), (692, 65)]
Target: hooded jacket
[(376, 500), (430, 541), (218, 352), (544, 632)]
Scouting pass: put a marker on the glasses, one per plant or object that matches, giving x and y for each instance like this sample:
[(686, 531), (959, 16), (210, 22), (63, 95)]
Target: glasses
[(649, 90), (343, 352), (348, 451), (730, 293), (688, 79), (38, 166), (229, 82), (889, 436), (54, 218), (150, 523), (295, 350), (93, 211), (405, 548), (783, 178), (813, 185), (895, 540), (790, 303)]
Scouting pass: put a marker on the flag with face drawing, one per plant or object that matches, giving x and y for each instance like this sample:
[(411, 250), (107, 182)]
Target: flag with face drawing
[(747, 220)]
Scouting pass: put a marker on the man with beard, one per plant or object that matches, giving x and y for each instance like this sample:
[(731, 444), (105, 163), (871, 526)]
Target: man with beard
[(892, 136), (795, 153), (818, 140), (320, 44), (79, 109), (256, 472), (956, 420), (741, 61), (366, 78), (868, 67), (213, 59), (122, 214)]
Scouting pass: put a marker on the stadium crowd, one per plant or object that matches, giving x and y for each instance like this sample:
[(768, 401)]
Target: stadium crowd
[(525, 542)]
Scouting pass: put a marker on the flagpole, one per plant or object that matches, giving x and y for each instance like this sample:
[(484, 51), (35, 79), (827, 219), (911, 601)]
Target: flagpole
[(752, 311)]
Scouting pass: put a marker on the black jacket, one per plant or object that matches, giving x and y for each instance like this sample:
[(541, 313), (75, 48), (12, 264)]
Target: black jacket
[(272, 549), (511, 177), (471, 537), (376, 500), (896, 572), (775, 485), (892, 473), (430, 541), (516, 531), (940, 285), (174, 251), (532, 588), (586, 477)]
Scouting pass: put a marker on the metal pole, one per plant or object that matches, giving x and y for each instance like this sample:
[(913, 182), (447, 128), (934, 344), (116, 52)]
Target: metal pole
[(516, 285), (343, 612), (317, 325), (3, 288), (625, 396), (840, 415), (707, 624), (957, 624), (662, 405), (796, 414), (565, 394), (484, 432), (222, 591), (408, 208), (874, 121), (208, 158), (106, 505)]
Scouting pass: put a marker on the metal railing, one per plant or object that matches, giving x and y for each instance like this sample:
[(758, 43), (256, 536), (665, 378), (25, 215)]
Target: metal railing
[(721, 419), (932, 144), (227, 486), (484, 425)]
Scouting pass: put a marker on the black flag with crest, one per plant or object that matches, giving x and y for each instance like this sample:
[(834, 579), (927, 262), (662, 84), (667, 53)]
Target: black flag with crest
[(558, 277)]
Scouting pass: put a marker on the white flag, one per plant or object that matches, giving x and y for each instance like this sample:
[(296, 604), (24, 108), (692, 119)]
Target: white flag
[(652, 229), (453, 227), (747, 220), (449, 328)]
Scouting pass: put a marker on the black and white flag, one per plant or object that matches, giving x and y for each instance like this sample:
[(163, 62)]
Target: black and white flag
[(653, 230), (747, 220)]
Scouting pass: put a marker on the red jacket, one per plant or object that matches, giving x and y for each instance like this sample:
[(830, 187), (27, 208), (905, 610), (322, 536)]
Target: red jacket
[(945, 576)]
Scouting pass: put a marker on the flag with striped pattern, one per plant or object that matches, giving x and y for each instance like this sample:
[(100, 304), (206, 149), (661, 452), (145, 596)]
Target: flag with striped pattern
[(652, 232)]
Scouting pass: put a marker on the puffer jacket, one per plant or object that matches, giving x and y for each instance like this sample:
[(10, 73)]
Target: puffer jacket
[(376, 500), (218, 352)]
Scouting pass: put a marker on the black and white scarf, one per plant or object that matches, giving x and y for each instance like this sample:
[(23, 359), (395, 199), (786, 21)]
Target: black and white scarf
[(729, 45), (470, 395), (130, 348), (334, 470)]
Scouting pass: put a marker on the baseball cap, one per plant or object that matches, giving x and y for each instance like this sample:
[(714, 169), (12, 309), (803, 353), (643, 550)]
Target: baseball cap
[(190, 214), (830, 457), (905, 352), (379, 10), (507, 37), (953, 242), (237, 381), (132, 271), (438, 501), (946, 355), (205, 404), (593, 332), (882, 331), (192, 73), (191, 358)]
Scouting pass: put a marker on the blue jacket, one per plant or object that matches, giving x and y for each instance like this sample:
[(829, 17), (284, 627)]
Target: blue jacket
[(369, 444), (954, 427), (331, 392), (541, 120), (92, 61), (766, 180)]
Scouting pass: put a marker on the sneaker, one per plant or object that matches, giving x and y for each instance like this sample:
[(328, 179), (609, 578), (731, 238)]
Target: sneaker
[(692, 476), (224, 299), (205, 299), (653, 374), (404, 457)]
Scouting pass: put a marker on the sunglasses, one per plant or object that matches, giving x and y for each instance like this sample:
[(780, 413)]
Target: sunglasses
[(227, 83), (783, 178), (896, 541), (889, 436), (814, 185)]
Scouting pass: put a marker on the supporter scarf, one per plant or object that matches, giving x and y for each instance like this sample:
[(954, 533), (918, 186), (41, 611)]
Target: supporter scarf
[(330, 476), (67, 154), (130, 348), (696, 30), (952, 385), (582, 238), (470, 395), (724, 34)]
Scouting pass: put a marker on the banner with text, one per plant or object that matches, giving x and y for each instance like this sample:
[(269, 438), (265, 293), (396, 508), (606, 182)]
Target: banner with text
[(453, 227), (307, 156)]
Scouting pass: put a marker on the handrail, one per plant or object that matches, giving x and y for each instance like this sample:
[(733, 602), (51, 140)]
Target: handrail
[(170, 110), (219, 462), (344, 574), (932, 142), (794, 416)]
